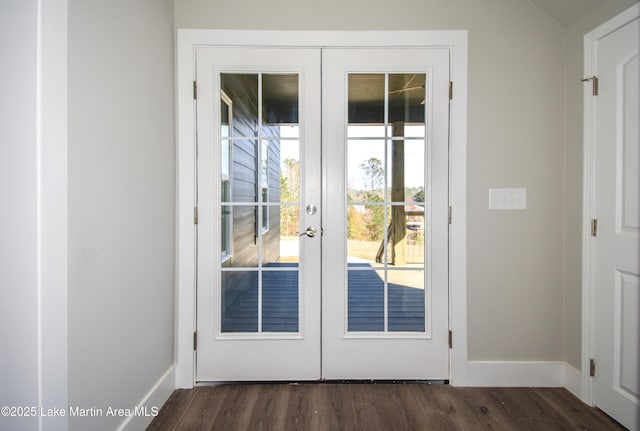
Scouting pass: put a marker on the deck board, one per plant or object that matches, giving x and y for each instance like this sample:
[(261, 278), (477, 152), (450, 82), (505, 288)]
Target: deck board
[(365, 303)]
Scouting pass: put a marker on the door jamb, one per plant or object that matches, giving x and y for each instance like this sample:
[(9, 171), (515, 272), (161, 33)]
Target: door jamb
[(589, 245), (187, 42)]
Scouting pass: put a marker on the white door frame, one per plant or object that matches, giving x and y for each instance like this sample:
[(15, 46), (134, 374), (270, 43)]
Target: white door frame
[(188, 40), (591, 40)]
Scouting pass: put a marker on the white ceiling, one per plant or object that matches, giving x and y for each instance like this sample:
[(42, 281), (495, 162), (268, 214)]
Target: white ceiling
[(567, 12)]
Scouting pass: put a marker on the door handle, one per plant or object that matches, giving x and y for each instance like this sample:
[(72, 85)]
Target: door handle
[(310, 232)]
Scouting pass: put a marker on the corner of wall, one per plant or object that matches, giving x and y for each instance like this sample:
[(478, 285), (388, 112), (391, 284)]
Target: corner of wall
[(149, 406), (52, 208)]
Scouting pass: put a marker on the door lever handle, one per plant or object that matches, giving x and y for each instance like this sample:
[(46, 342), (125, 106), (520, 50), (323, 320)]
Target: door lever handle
[(310, 232)]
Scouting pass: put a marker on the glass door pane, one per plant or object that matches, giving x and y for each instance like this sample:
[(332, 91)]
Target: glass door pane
[(386, 202), (260, 180)]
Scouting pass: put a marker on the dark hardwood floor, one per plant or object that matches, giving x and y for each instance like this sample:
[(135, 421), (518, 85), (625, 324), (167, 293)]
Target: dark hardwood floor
[(376, 406)]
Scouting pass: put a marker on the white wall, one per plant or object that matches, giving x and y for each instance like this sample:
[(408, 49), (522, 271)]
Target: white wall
[(574, 175), (515, 139), (121, 203), (33, 233), (18, 217)]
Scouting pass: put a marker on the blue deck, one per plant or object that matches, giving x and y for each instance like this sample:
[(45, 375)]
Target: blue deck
[(280, 302)]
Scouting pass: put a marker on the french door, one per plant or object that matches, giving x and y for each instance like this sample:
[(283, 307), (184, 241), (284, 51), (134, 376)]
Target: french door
[(385, 288), (258, 165), (322, 214)]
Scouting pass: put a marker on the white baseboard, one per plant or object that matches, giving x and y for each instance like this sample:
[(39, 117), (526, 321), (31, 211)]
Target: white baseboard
[(521, 374), (573, 381), (148, 407)]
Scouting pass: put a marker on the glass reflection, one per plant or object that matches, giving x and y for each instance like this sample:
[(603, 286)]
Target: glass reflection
[(412, 130), (289, 155), (242, 87), (365, 171), (281, 245), (280, 301), (405, 233), (407, 97), (279, 102), (406, 178), (365, 299), (259, 169), (365, 231), (386, 167), (365, 131), (406, 301), (366, 98), (242, 245), (239, 308)]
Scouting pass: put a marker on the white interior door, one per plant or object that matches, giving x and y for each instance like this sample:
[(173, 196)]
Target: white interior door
[(258, 170), (616, 385), (385, 254)]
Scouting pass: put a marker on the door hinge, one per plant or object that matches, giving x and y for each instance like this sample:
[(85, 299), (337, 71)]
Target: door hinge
[(195, 340), (195, 90), (450, 211), (594, 227), (592, 367), (450, 339), (195, 215), (594, 84), (450, 90)]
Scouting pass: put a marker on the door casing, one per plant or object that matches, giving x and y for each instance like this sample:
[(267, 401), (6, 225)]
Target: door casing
[(454, 40)]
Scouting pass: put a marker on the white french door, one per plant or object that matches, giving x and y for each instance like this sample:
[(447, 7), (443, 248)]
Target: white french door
[(258, 164), (322, 240), (385, 257)]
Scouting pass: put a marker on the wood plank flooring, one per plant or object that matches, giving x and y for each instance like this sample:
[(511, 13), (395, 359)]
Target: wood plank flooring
[(376, 406)]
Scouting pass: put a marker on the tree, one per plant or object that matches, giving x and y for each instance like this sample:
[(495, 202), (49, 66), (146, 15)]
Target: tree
[(355, 224), (289, 192), (374, 217), (374, 173), (419, 196)]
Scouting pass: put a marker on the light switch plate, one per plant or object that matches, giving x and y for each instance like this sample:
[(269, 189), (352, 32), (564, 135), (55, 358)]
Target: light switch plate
[(507, 199)]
